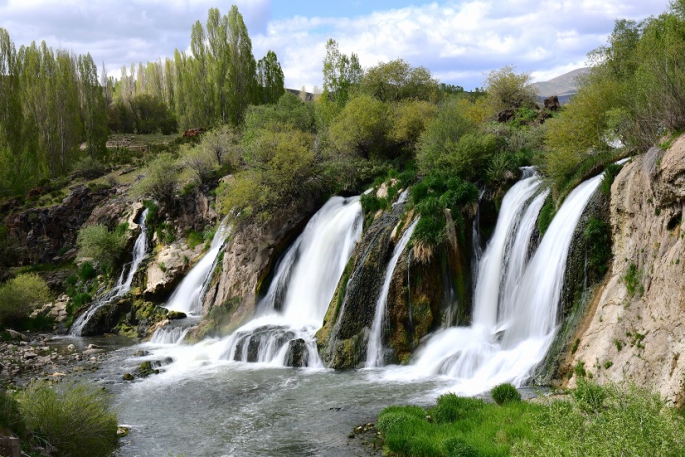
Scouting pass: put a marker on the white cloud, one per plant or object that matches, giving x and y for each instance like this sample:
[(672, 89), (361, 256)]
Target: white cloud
[(458, 40)]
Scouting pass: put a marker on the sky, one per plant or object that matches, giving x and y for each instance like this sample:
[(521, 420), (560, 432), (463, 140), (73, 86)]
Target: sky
[(459, 41)]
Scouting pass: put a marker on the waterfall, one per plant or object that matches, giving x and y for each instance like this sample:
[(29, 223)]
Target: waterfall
[(516, 302), (303, 286), (187, 298), (123, 285), (374, 353), (169, 335)]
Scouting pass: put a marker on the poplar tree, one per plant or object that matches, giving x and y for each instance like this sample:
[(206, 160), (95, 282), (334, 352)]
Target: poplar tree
[(242, 69), (270, 78)]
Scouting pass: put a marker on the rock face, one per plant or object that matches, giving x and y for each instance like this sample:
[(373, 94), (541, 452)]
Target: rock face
[(634, 329), (167, 269), (425, 292), (42, 232), (249, 257)]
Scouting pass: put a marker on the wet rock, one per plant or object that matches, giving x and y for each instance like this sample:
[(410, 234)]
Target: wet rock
[(17, 336), (128, 377), (174, 315), (145, 369), (298, 354)]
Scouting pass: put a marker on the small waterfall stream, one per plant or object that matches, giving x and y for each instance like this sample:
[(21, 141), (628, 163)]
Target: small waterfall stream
[(374, 353), (516, 301), (303, 286), (123, 285), (187, 298)]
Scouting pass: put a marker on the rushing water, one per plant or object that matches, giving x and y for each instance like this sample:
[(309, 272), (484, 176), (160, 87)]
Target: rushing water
[(187, 298), (207, 401), (123, 285), (374, 353), (510, 334)]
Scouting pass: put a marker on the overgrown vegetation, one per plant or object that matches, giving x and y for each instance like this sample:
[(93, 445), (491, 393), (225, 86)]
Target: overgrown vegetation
[(595, 421), (103, 246), (19, 297), (70, 419)]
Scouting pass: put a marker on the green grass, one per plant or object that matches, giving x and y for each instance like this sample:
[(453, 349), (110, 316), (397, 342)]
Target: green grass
[(594, 420)]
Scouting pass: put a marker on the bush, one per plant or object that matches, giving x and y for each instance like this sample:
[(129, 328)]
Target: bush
[(19, 297), (451, 408), (507, 89), (101, 245), (589, 397), (505, 393), (457, 447), (160, 181), (75, 419), (11, 421), (89, 168)]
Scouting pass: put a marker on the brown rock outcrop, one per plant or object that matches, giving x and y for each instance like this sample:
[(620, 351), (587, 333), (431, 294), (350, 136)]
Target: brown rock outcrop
[(636, 330)]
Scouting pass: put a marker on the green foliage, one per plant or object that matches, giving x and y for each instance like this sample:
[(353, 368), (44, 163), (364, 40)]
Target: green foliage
[(579, 369), (397, 80), (599, 421), (20, 296), (89, 168), (633, 280), (598, 238), (9, 246), (340, 74), (507, 89), (160, 181), (610, 174), (87, 271), (504, 393), (103, 246), (282, 165), (361, 128), (270, 78), (74, 419), (11, 421), (547, 214), (435, 193)]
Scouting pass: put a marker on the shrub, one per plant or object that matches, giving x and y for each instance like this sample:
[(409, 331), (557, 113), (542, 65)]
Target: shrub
[(633, 279), (505, 393), (75, 419), (457, 447), (86, 272), (11, 421), (507, 89), (19, 296), (598, 238), (101, 245), (160, 181), (589, 397), (89, 168), (451, 408)]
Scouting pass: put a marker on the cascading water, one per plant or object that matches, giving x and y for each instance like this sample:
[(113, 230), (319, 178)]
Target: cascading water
[(303, 286), (123, 285), (187, 298), (512, 329), (169, 335), (374, 353)]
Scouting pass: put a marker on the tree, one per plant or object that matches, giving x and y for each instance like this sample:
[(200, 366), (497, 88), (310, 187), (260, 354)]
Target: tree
[(270, 78), (160, 181), (507, 89), (242, 75), (361, 128), (93, 107), (397, 80), (340, 74)]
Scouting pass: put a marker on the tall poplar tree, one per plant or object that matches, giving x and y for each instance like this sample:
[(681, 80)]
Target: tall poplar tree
[(242, 69), (270, 78)]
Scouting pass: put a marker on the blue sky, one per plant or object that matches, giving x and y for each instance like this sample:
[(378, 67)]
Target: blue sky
[(458, 40)]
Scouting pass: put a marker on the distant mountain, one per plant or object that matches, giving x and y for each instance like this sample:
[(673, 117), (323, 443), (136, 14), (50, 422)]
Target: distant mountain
[(563, 86)]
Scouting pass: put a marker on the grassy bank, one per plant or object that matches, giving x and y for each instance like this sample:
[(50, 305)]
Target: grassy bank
[(611, 420)]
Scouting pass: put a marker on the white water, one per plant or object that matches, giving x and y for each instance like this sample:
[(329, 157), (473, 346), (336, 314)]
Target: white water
[(169, 335), (123, 285), (296, 302), (513, 330), (374, 352), (187, 298)]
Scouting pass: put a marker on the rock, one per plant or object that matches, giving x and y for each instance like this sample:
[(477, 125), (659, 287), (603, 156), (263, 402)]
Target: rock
[(17, 336), (71, 348), (167, 269), (505, 116), (173, 315), (128, 377), (552, 103), (93, 351), (298, 355), (30, 355), (145, 369), (141, 353), (122, 430), (636, 333)]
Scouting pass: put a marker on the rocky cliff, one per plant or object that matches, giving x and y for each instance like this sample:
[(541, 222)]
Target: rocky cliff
[(633, 329)]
